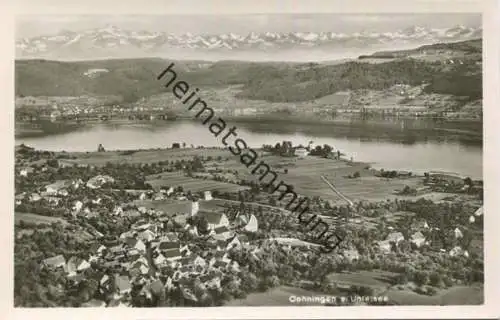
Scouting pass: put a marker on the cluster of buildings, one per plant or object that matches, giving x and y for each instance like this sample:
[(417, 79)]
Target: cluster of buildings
[(150, 255)]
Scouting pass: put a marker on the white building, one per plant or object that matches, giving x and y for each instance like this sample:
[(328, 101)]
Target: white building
[(207, 195), (216, 220), (458, 233), (252, 225), (195, 207), (301, 152)]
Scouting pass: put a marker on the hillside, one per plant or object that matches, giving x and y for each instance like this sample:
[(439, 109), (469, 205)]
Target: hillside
[(273, 82), (470, 49)]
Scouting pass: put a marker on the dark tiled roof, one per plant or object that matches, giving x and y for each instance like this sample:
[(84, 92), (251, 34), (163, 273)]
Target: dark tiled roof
[(172, 253), (221, 229)]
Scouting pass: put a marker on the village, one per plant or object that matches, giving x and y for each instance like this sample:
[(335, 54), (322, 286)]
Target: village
[(121, 234)]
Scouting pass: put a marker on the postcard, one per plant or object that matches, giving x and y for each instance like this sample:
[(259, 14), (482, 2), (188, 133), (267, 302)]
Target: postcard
[(251, 159)]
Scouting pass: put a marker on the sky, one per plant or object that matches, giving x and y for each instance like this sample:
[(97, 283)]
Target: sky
[(34, 25)]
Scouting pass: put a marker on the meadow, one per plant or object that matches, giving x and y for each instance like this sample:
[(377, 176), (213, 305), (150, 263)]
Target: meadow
[(35, 218), (178, 178), (142, 156), (456, 295), (304, 175)]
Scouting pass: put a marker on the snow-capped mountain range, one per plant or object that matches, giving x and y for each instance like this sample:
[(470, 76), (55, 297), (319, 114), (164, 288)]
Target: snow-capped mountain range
[(114, 42)]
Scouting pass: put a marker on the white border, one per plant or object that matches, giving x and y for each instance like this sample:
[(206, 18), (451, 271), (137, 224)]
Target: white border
[(489, 8)]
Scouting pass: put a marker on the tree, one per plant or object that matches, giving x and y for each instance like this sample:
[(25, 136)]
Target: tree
[(421, 278), (249, 282), (202, 225)]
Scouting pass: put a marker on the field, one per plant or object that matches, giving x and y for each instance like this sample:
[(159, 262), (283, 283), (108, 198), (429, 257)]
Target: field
[(378, 280), (275, 297), (35, 218), (458, 295), (175, 179), (304, 175), (142, 156)]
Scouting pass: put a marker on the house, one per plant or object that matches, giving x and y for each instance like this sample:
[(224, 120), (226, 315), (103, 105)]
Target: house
[(105, 280), (168, 284), (193, 230), (58, 187), (97, 181), (134, 243), (76, 264), (122, 285), (215, 219), (158, 196), (457, 251), (252, 225), (184, 250), (140, 266), (75, 279), (54, 262), (131, 213), (301, 152), (198, 261), (219, 256), (159, 259), (117, 211), (207, 195), (418, 239), (169, 191), (395, 237), (116, 249), (141, 226), (458, 233), (35, 197), (179, 220), (168, 245), (472, 219), (25, 171), (147, 236), (385, 246), (77, 206), (172, 255), (195, 207), (479, 212)]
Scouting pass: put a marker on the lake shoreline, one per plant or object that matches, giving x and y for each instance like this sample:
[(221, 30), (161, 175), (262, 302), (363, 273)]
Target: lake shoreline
[(399, 145)]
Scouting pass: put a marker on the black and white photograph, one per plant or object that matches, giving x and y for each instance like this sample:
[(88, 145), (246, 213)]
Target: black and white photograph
[(327, 159)]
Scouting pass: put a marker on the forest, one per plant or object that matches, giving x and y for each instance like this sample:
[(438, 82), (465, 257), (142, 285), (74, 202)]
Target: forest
[(274, 82)]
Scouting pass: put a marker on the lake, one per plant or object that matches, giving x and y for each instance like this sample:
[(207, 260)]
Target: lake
[(411, 144)]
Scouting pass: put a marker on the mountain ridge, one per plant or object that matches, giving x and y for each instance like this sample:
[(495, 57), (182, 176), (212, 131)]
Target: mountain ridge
[(112, 41)]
